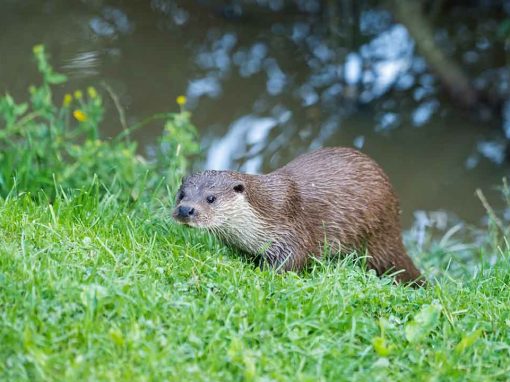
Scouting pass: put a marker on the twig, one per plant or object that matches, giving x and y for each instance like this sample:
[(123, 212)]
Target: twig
[(118, 106), (147, 120), (490, 210), (27, 118)]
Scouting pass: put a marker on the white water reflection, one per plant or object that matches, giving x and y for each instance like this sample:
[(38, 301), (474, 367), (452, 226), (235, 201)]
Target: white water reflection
[(374, 21), (112, 21), (208, 86), (492, 150), (84, 64), (387, 56), (218, 56), (300, 30), (247, 132), (359, 142), (250, 60), (179, 16), (422, 114), (308, 95), (327, 129), (387, 121), (353, 68), (276, 79), (424, 221)]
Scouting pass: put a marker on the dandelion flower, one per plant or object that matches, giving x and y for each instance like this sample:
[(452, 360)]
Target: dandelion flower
[(38, 49), (78, 94), (92, 92), (68, 98), (80, 115), (181, 100)]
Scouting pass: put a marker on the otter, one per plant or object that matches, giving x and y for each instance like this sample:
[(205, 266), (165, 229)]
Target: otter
[(336, 197)]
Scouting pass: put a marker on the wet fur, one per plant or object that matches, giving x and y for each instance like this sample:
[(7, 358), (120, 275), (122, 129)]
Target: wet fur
[(335, 194)]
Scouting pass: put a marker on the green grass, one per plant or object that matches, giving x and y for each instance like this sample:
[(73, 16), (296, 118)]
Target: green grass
[(92, 289), (97, 283)]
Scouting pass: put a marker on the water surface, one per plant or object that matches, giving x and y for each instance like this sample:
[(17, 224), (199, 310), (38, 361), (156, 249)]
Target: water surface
[(268, 82)]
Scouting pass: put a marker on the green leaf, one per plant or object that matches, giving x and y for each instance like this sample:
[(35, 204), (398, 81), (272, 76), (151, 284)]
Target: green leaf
[(10, 111), (116, 336), (20, 109), (55, 78), (380, 346), (423, 323), (92, 293), (468, 341)]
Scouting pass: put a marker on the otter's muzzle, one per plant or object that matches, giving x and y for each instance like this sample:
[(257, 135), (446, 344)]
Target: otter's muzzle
[(185, 211), (184, 214)]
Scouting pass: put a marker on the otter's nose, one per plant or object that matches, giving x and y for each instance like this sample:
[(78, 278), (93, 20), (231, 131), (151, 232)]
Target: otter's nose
[(185, 211)]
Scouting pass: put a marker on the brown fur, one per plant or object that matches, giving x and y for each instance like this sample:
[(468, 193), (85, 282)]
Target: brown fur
[(334, 195)]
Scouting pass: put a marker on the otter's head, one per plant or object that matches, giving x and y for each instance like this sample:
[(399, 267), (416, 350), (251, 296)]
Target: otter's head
[(208, 199)]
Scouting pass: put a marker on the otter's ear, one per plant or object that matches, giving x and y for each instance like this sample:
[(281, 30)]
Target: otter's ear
[(239, 188)]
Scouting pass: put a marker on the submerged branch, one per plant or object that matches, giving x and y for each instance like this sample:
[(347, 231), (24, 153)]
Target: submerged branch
[(448, 71)]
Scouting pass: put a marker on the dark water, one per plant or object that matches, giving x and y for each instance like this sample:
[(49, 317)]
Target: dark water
[(268, 82)]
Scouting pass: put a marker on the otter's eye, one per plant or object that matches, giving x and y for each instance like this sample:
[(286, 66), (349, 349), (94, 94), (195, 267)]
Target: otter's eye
[(181, 195), (211, 199)]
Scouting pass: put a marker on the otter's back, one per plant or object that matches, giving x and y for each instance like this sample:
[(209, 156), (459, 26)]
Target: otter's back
[(343, 190)]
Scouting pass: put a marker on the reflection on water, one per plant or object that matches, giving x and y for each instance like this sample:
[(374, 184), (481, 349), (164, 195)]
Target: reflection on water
[(83, 64), (266, 82), (112, 21)]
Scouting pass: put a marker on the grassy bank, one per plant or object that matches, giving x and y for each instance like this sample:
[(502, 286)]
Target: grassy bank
[(97, 283), (94, 290)]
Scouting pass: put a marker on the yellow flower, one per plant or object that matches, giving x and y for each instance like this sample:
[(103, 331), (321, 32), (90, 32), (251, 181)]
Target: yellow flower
[(39, 48), (92, 92), (68, 98), (181, 100), (80, 115), (78, 94)]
